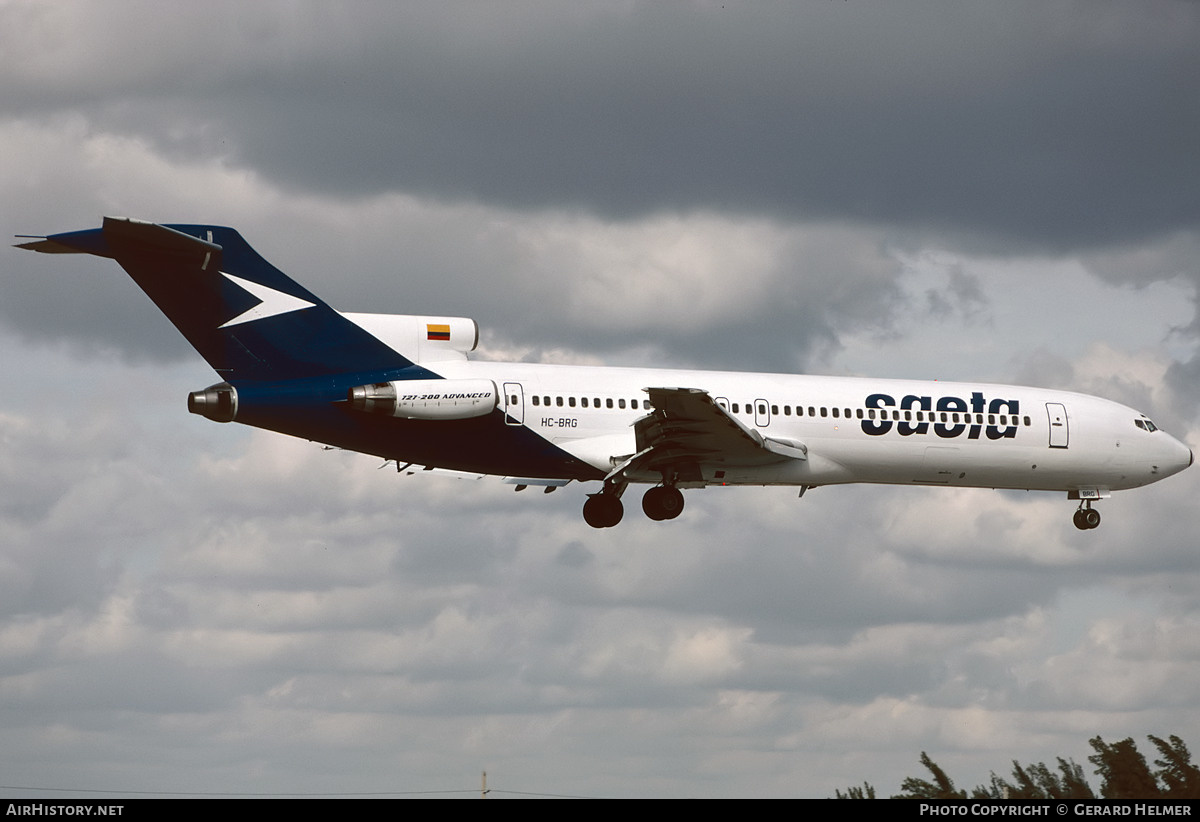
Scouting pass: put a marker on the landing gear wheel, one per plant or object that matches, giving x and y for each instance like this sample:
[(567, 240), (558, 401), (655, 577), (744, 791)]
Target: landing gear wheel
[(1086, 519), (662, 502), (603, 510)]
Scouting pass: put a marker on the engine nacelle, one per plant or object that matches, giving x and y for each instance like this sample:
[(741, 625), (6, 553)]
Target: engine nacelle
[(422, 339), (217, 402), (427, 399)]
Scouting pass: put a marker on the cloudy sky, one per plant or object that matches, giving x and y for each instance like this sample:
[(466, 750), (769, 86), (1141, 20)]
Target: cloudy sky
[(1006, 192)]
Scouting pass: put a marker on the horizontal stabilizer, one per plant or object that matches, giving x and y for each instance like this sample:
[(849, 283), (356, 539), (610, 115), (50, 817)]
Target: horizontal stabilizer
[(46, 246), (90, 241), (151, 238)]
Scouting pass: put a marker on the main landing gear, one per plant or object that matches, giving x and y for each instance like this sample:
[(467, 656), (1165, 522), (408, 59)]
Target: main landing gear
[(1086, 518), (604, 509), (663, 502)]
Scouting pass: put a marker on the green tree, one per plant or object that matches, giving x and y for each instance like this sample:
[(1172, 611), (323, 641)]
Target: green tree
[(942, 786), (854, 792), (1037, 781), (1121, 767), (1180, 778), (1123, 770), (1073, 783)]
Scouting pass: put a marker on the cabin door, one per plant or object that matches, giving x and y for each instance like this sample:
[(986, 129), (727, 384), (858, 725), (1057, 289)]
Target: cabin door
[(1059, 429)]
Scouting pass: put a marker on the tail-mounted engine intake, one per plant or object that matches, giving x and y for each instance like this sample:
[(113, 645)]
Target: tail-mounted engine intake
[(427, 399), (217, 402)]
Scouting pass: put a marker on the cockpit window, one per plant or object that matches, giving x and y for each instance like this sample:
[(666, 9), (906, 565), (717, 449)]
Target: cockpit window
[(1145, 424)]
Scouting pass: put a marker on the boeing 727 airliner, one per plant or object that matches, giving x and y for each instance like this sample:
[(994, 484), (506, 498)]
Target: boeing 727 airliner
[(402, 387)]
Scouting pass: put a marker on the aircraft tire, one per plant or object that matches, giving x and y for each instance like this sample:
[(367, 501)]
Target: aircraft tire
[(1091, 518), (662, 502), (603, 511)]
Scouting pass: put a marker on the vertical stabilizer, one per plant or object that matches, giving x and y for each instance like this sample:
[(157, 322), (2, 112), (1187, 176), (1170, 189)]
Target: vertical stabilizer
[(245, 317)]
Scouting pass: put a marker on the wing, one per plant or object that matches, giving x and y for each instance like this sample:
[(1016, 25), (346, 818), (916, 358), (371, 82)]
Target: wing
[(688, 431)]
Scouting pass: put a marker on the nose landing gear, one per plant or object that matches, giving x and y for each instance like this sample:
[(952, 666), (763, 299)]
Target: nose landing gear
[(1086, 517)]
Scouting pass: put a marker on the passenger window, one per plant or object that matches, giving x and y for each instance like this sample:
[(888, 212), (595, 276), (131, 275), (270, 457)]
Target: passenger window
[(633, 403), (620, 403), (608, 403), (735, 408), (535, 399), (835, 413), (571, 401), (558, 401)]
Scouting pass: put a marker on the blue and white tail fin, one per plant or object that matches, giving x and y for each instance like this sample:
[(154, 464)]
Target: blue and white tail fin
[(245, 317)]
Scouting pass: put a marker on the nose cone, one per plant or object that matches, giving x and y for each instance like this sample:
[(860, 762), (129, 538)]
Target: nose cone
[(1178, 457)]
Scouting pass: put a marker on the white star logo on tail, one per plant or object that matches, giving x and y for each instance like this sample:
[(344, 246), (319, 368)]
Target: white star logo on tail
[(273, 302)]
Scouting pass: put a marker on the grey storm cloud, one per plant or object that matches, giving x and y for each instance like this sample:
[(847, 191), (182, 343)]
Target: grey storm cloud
[(1035, 130), (1037, 127)]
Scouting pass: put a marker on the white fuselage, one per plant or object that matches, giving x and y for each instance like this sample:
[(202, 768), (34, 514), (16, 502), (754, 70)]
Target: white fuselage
[(855, 429)]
